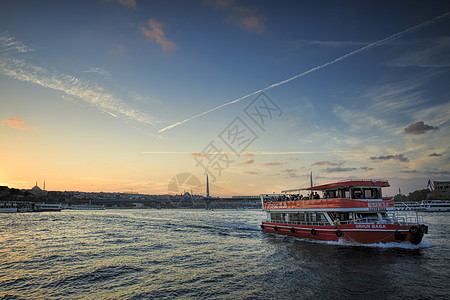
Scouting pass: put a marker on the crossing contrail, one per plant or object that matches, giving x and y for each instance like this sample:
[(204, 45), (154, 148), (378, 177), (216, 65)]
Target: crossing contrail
[(369, 46)]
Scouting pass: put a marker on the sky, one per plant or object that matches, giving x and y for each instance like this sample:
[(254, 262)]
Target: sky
[(148, 96)]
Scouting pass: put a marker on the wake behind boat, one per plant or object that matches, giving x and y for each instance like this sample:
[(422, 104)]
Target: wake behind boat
[(352, 211)]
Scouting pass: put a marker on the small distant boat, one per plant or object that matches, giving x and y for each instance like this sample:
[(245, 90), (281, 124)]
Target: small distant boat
[(433, 206), (8, 207), (87, 207), (352, 211), (49, 207)]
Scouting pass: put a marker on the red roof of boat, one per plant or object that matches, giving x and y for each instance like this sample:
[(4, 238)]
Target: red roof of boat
[(351, 183)]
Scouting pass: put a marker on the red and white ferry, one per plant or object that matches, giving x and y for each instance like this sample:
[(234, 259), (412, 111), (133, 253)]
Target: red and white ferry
[(352, 211)]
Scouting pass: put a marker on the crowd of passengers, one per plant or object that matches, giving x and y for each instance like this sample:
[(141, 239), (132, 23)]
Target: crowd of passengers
[(292, 197)]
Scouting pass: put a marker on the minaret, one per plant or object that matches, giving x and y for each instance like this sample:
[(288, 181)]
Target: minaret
[(207, 186), (44, 185)]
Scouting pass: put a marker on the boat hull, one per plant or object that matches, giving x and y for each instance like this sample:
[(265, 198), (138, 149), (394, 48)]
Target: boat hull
[(352, 233)]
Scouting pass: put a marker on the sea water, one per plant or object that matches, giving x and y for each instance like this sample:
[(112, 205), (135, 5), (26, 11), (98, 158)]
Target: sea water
[(199, 254)]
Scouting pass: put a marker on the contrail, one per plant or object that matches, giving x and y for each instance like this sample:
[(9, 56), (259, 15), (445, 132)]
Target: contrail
[(371, 45)]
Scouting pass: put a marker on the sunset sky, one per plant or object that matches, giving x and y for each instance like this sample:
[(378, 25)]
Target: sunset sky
[(130, 96)]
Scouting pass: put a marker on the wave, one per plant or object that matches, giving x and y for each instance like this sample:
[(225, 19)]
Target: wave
[(401, 245)]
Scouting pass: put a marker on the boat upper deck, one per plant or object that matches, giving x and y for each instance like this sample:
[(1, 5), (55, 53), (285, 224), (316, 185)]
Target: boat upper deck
[(347, 195)]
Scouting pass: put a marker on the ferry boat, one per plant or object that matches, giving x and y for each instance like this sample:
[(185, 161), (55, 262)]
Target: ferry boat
[(350, 211)]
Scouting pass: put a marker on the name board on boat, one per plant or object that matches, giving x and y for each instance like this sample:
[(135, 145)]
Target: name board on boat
[(370, 226), (377, 204)]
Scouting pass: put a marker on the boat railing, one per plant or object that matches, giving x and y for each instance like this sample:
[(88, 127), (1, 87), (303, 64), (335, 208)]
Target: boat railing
[(405, 220), (310, 223), (369, 221), (397, 219)]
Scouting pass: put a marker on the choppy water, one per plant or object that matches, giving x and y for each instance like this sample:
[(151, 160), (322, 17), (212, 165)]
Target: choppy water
[(196, 254)]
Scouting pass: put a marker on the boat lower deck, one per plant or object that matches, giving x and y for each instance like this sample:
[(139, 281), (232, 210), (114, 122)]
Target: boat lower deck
[(359, 233)]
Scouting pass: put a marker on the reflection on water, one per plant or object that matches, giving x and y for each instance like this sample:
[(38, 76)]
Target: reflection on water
[(135, 254)]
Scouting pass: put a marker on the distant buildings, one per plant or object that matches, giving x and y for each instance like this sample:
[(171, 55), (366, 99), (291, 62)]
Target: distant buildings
[(442, 186)]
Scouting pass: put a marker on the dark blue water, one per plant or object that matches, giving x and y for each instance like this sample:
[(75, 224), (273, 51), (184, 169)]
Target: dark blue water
[(196, 254)]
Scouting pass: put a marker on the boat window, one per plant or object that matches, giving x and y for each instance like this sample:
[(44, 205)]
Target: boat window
[(356, 193), (329, 194), (345, 193)]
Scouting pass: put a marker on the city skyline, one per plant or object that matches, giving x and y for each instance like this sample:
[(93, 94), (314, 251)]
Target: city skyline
[(121, 95)]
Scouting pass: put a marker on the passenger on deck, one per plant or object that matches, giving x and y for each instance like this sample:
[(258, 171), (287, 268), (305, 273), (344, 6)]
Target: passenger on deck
[(316, 196)]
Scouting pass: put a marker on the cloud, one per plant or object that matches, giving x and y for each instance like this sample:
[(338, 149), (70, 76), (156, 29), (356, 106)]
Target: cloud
[(251, 173), (366, 168), (248, 162), (290, 173), (410, 171), (301, 43), (434, 154), (419, 128), (251, 19), (127, 3), (17, 124), (399, 157), (72, 86), (248, 154), (154, 31), (273, 164), (322, 163), (9, 44), (97, 70), (339, 169), (438, 172), (432, 54)]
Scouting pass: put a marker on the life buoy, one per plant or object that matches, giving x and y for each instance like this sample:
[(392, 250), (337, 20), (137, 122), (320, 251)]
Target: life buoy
[(313, 232), (293, 230), (275, 228), (413, 230), (338, 233), (423, 228)]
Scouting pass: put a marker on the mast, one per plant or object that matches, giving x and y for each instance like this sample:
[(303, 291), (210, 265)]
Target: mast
[(310, 178), (207, 186)]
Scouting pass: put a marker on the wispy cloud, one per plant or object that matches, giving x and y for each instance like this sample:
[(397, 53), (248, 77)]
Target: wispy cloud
[(302, 43), (126, 3), (432, 54), (247, 17), (155, 32), (248, 162), (9, 44), (17, 124), (273, 164), (73, 87), (322, 163), (97, 70)]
